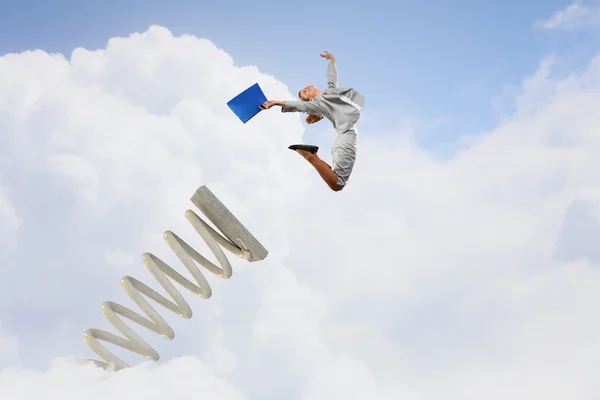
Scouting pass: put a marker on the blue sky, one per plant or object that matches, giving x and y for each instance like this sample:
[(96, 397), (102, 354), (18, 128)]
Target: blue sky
[(430, 61)]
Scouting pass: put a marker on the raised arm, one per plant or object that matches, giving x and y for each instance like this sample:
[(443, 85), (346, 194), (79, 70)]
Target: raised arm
[(332, 76)]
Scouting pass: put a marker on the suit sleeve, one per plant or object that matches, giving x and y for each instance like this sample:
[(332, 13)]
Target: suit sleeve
[(309, 107), (332, 76)]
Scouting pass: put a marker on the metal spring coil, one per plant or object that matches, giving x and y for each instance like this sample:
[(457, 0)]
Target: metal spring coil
[(136, 290)]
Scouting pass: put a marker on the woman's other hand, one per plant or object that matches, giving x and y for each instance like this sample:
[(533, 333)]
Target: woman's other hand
[(328, 56)]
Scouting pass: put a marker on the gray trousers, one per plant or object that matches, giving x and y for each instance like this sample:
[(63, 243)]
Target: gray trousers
[(343, 154)]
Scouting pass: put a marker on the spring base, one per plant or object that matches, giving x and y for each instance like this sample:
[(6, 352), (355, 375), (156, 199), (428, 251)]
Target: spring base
[(235, 238)]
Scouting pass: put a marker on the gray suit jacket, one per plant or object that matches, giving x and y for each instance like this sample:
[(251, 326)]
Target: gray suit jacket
[(339, 105)]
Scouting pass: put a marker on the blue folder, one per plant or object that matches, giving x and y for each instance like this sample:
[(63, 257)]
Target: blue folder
[(245, 105)]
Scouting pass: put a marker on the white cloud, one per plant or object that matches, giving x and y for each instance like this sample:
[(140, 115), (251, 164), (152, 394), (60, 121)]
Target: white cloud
[(10, 222), (119, 258), (468, 278), (574, 16), (185, 378), (9, 349)]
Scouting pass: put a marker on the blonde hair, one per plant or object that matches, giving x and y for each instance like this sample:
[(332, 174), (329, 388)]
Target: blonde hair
[(311, 119)]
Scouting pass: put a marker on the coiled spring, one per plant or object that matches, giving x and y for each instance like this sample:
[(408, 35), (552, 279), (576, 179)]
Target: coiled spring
[(236, 240)]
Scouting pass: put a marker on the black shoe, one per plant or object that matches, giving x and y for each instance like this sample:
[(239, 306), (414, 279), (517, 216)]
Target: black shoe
[(307, 147)]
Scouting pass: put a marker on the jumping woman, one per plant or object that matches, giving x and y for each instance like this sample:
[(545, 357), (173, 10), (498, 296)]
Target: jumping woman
[(340, 106)]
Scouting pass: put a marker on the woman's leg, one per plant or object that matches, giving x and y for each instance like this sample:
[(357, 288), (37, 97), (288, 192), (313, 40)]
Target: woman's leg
[(322, 168), (344, 156)]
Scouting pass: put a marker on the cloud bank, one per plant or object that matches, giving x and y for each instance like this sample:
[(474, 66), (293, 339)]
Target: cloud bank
[(473, 277), (574, 16)]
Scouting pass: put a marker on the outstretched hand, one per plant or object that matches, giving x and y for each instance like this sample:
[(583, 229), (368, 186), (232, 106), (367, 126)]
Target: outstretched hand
[(270, 103), (328, 56)]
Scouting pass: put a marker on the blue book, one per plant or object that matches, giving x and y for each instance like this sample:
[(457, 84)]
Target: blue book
[(246, 104)]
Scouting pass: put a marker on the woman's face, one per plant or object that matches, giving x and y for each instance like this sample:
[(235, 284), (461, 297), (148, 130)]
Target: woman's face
[(309, 93)]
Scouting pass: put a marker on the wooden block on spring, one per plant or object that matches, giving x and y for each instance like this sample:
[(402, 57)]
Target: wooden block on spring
[(227, 223)]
